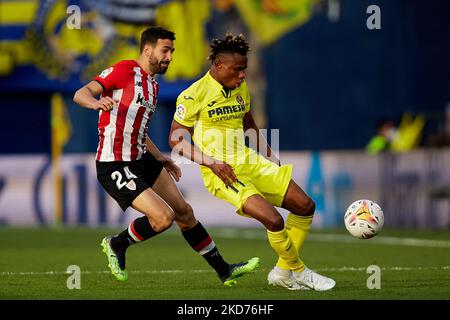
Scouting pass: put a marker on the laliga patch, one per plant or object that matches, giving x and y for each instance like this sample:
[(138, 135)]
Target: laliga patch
[(106, 72), (181, 111), (131, 185)]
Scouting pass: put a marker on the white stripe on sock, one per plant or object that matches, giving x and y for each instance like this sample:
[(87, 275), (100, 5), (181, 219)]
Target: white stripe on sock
[(132, 234), (208, 248)]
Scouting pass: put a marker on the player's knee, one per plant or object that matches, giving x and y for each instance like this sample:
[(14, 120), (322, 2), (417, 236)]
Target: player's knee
[(188, 215), (310, 207), (275, 223), (305, 207), (184, 217), (186, 210), (182, 208), (164, 221)]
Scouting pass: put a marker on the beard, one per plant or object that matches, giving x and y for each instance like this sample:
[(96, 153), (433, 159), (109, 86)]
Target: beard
[(163, 67), (159, 67)]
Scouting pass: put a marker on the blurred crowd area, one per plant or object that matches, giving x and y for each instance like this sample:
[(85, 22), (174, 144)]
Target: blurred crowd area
[(316, 70), (358, 90)]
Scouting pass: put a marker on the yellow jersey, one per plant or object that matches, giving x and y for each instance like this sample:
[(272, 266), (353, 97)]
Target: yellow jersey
[(216, 114)]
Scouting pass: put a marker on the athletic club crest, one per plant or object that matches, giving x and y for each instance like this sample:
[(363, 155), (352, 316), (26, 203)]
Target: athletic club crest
[(131, 185)]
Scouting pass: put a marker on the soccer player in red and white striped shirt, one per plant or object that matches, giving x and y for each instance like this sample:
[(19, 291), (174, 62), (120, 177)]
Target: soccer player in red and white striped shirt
[(132, 169)]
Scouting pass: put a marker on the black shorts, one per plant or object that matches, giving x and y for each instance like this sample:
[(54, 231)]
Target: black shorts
[(125, 180)]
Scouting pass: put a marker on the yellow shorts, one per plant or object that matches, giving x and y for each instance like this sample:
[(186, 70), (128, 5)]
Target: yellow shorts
[(264, 178)]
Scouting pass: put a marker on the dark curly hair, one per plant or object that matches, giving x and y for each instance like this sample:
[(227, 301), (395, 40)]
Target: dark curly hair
[(231, 44), (152, 34)]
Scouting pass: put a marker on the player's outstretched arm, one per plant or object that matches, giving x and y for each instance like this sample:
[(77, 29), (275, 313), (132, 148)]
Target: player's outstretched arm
[(86, 97), (180, 138), (257, 140)]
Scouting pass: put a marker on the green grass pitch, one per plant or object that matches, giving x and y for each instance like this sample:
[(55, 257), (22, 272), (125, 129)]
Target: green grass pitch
[(33, 264)]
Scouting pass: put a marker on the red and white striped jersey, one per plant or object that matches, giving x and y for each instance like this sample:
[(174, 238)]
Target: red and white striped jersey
[(123, 130)]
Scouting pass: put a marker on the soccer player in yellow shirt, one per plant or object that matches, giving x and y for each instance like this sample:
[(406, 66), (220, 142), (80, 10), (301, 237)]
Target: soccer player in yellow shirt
[(215, 113)]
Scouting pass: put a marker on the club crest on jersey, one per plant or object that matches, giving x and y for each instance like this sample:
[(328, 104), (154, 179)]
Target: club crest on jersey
[(181, 111), (240, 100), (106, 72), (131, 185)]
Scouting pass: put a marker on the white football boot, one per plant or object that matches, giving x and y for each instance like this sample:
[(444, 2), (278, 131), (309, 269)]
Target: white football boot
[(313, 280), (283, 278)]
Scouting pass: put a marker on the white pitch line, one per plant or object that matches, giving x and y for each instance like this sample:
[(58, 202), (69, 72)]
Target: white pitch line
[(325, 237), (343, 269), (33, 273), (340, 269)]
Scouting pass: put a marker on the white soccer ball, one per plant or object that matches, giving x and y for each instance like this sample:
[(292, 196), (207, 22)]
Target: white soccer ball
[(364, 219)]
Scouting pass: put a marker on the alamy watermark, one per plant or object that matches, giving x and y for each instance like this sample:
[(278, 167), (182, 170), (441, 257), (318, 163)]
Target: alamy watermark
[(373, 22), (73, 21), (229, 145), (374, 280), (74, 280)]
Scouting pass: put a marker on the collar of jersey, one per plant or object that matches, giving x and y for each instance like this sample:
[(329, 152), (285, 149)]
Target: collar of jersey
[(213, 81), (143, 72)]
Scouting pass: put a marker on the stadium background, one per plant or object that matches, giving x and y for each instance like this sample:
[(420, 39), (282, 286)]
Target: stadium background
[(317, 74)]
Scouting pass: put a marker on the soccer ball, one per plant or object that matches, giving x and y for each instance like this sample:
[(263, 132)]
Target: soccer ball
[(364, 219)]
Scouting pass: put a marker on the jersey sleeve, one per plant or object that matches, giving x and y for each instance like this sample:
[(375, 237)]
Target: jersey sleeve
[(187, 110), (110, 78)]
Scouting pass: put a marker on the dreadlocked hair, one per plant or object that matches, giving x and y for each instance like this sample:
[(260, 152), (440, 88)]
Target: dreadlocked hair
[(231, 44)]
